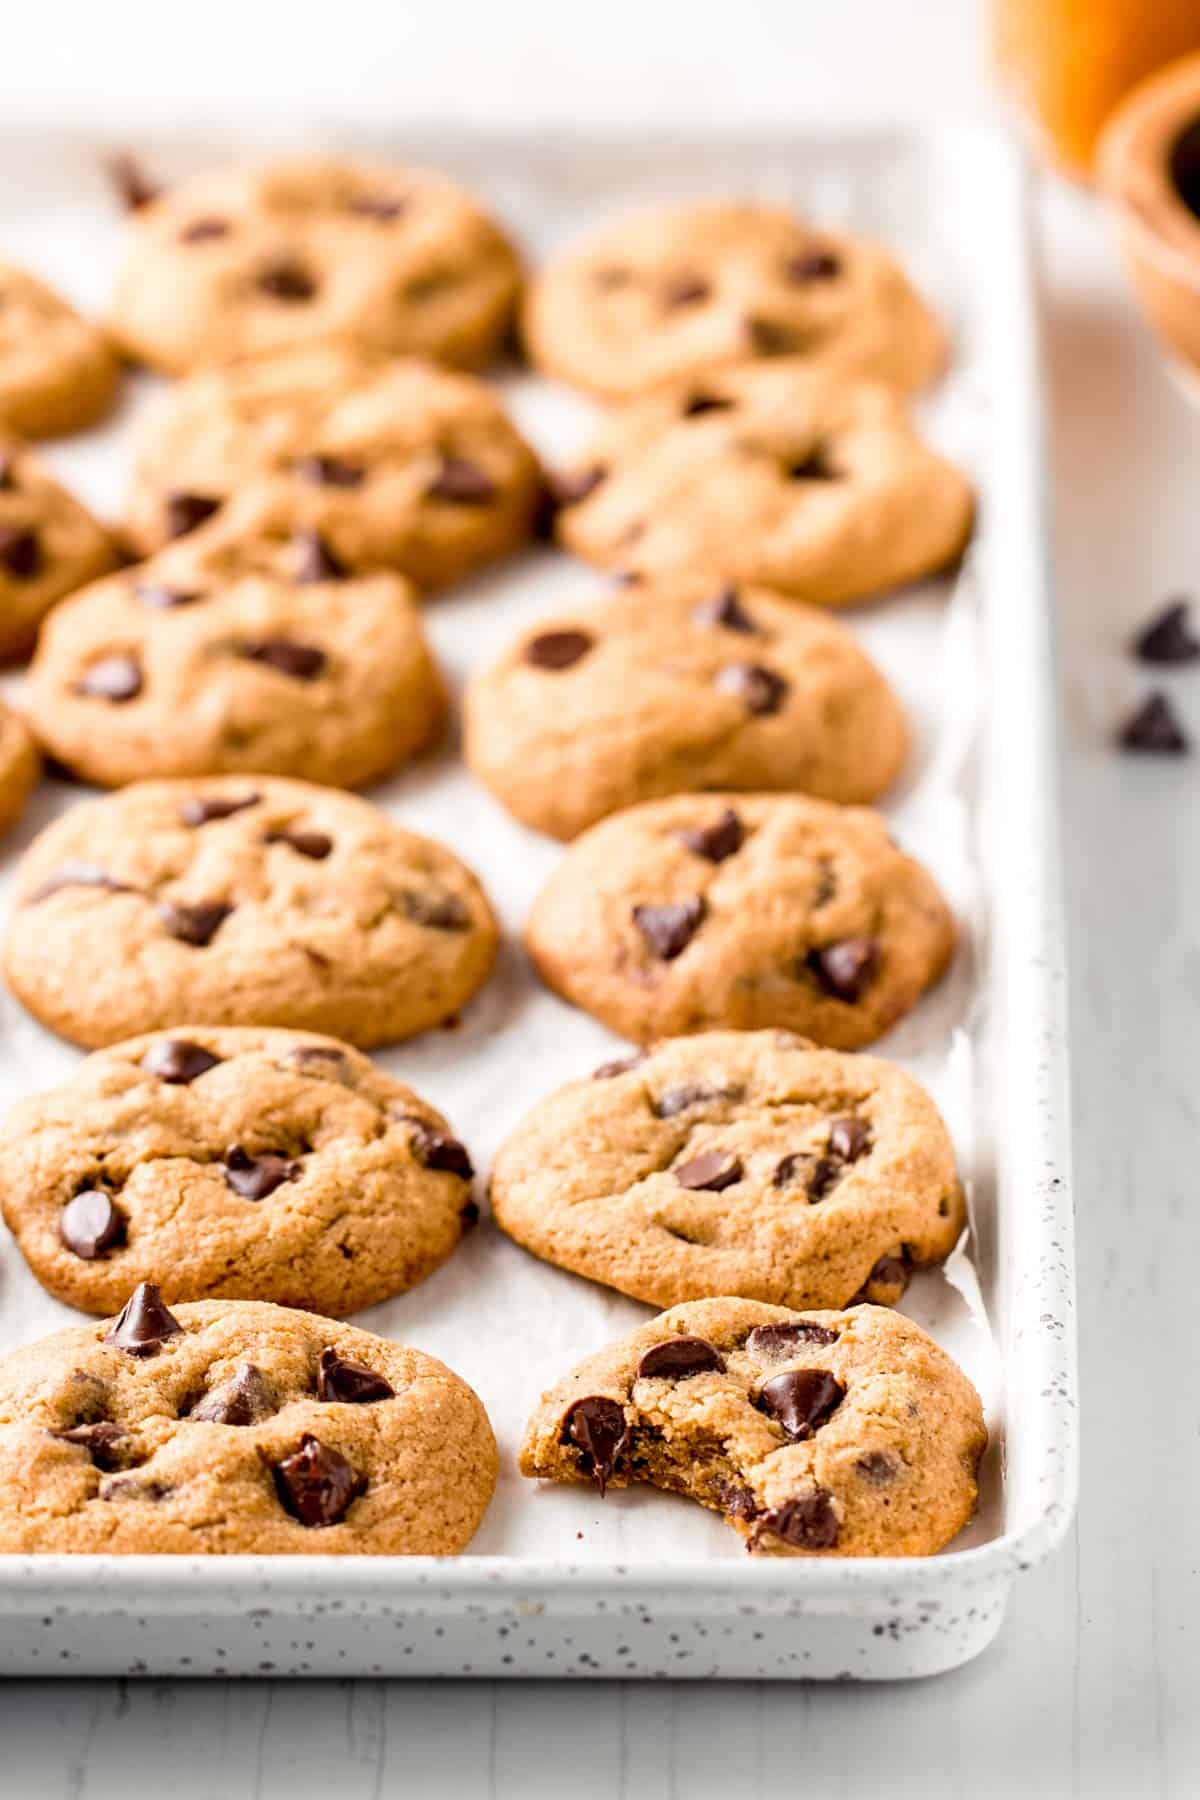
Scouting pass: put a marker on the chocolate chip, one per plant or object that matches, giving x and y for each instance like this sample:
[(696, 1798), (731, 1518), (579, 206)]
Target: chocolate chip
[(302, 662), (114, 678), (143, 1325), (686, 290), (760, 690), (621, 1066), (315, 561), (699, 404), (800, 1400), (134, 187), (435, 1149), (669, 929), (330, 471), (185, 511), (201, 231), (678, 1357), (313, 844), (849, 1138), (1168, 638), (8, 473), (817, 1174), (437, 912), (383, 207), (889, 1271), (712, 1172), (244, 1399), (287, 280), (680, 1099), (737, 1502), (156, 594), (202, 811), (845, 969), (569, 489), (316, 1484), (349, 1383), (809, 1522), (770, 339), (254, 1177), (558, 649), (727, 611), (101, 1440), (130, 1487), (469, 1214), (812, 265), (177, 1061), (878, 1467), (1155, 728), (775, 1342), (20, 551), (718, 841), (90, 1224), (78, 874), (816, 466), (597, 1428), (461, 482), (321, 1059), (195, 925)]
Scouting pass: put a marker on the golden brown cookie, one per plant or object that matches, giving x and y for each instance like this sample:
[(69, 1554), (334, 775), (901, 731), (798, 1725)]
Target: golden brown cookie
[(58, 371), (20, 766), (49, 546)]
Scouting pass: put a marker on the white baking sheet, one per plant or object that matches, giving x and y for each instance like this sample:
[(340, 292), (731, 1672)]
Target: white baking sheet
[(508, 1323)]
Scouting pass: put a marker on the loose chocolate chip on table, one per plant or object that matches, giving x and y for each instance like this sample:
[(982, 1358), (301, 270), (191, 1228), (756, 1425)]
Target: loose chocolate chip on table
[(845, 969), (330, 471), (774, 1342), (134, 187), (116, 678), (177, 1061), (302, 662), (699, 404), (813, 265), (315, 561), (438, 912), (143, 1325), (800, 1400), (809, 1522), (438, 1150), (1155, 728), (679, 1099), (202, 811), (201, 231), (558, 649), (244, 1399), (313, 844), (185, 511), (711, 1172), (254, 1177), (316, 1484), (195, 925), (669, 929), (287, 280), (596, 1426), (1168, 638), (718, 841), (686, 290), (462, 483), (78, 874), (678, 1357), (349, 1383), (101, 1440), (163, 598), (621, 1066), (760, 690), (727, 611), (849, 1137), (20, 551), (90, 1224)]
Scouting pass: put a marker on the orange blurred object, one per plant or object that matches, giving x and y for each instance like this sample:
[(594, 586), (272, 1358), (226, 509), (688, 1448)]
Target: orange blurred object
[(1069, 62)]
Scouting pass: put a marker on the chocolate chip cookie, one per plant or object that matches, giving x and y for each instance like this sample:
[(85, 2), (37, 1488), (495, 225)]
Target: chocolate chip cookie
[(396, 464), (255, 1165), (245, 646), (741, 910), (735, 1162), (20, 766), (819, 1433), (675, 685), (232, 1427), (243, 262), (773, 473), (49, 545), (58, 371), (243, 900), (686, 289)]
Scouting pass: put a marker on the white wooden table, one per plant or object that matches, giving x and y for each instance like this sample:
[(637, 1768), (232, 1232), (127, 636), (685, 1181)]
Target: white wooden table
[(1090, 1689)]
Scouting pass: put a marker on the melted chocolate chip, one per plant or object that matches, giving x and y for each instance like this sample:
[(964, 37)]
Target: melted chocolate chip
[(316, 1485), (330, 471), (760, 690), (686, 290), (816, 466), (800, 1400), (849, 1138), (698, 404), (846, 969), (435, 1149), (711, 1172), (135, 188), (321, 1060), (569, 489), (669, 929), (162, 598), (302, 662), (678, 1357), (461, 482), (114, 678), (195, 925), (90, 1224), (680, 1099), (1155, 728), (889, 1272), (1168, 638), (775, 1342), (254, 1177), (177, 1061), (313, 844), (597, 1428), (315, 561), (143, 1325), (102, 1441), (878, 1467), (203, 231), (287, 280), (809, 1522), (812, 265), (727, 611), (437, 912), (558, 649), (20, 551), (244, 1399), (737, 1502), (349, 1383), (185, 511), (78, 874), (817, 1174), (202, 811), (621, 1066), (716, 842)]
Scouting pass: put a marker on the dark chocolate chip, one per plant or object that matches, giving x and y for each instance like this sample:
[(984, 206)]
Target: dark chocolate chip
[(846, 969), (621, 1066), (302, 662), (849, 1138), (800, 1400), (177, 1061), (202, 811), (135, 188), (568, 489), (330, 471), (813, 265), (287, 280), (1168, 638), (678, 1357), (469, 1214), (1184, 166), (162, 598), (558, 649), (20, 551), (244, 1399), (131, 1487), (686, 290), (596, 1426), (90, 1224), (437, 912), (143, 1325), (680, 1099), (254, 1177), (101, 1440), (889, 1271), (8, 473), (816, 466), (316, 1485), (383, 207), (313, 844), (320, 1059), (775, 1342), (817, 1174), (727, 611), (718, 841), (78, 874), (737, 1502), (349, 1383), (669, 929), (712, 1172), (315, 561), (115, 678), (698, 404), (435, 1149), (1155, 728), (809, 1522), (202, 231), (195, 925), (767, 338), (878, 1467), (185, 511), (760, 690), (461, 482)]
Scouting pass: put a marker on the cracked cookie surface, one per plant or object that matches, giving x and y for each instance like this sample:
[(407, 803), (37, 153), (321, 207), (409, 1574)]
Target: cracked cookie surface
[(741, 910), (49, 545), (232, 1164), (771, 473), (243, 262), (820, 1433), (745, 1163), (58, 371), (671, 686), (243, 900), (231, 1426)]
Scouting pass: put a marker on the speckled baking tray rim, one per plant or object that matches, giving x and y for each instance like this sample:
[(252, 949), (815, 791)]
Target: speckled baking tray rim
[(851, 1619)]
